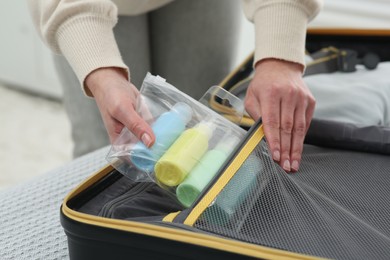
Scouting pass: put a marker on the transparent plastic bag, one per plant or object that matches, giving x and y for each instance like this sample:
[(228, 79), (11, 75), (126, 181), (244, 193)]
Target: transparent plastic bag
[(192, 141)]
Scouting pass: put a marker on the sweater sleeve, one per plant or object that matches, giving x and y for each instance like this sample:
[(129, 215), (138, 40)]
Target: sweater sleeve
[(280, 27), (81, 30)]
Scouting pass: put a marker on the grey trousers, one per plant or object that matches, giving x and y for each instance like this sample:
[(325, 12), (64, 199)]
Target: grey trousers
[(192, 44)]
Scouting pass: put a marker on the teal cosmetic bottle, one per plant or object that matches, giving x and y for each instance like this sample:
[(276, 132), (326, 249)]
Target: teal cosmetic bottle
[(222, 210)]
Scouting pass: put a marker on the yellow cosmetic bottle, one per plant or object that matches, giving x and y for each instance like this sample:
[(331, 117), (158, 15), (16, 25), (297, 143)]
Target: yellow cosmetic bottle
[(172, 168)]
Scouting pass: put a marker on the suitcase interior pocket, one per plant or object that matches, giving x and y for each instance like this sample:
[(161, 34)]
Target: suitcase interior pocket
[(334, 207), (118, 197), (226, 209)]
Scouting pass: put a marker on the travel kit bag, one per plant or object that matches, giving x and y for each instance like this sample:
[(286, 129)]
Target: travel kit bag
[(336, 206)]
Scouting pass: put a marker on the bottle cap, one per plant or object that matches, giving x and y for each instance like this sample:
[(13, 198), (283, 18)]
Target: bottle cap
[(169, 173), (183, 110), (227, 143), (187, 194), (206, 127), (142, 158)]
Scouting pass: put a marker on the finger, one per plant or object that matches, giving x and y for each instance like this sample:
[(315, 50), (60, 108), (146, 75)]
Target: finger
[(115, 132), (252, 106), (271, 123), (286, 128), (132, 121), (310, 111), (298, 136)]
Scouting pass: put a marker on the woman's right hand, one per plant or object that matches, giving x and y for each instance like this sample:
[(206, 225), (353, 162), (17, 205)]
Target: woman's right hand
[(116, 99)]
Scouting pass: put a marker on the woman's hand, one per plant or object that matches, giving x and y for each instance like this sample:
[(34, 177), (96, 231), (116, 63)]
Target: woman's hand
[(278, 94), (116, 98)]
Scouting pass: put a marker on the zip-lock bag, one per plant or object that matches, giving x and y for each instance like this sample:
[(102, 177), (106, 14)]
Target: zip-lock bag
[(336, 206)]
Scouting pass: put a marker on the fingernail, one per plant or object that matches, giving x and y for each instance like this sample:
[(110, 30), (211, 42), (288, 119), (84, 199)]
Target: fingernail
[(276, 156), (286, 165), (146, 139), (295, 165)]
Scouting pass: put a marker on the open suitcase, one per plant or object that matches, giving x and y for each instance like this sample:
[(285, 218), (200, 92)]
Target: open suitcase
[(336, 206)]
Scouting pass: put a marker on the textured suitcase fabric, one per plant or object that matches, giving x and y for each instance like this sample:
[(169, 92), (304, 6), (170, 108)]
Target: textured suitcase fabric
[(335, 207)]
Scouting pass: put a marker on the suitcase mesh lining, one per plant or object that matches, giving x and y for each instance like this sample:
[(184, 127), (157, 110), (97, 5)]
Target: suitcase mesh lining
[(336, 206)]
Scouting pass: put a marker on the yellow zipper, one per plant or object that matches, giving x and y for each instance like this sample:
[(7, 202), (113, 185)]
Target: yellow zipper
[(184, 236)]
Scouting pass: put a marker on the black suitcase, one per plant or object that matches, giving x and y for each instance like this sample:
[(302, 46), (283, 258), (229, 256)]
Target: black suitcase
[(336, 206)]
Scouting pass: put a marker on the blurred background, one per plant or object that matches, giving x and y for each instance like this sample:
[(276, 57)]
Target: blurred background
[(35, 133)]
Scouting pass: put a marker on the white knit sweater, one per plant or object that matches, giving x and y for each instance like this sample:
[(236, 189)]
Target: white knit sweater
[(82, 30)]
